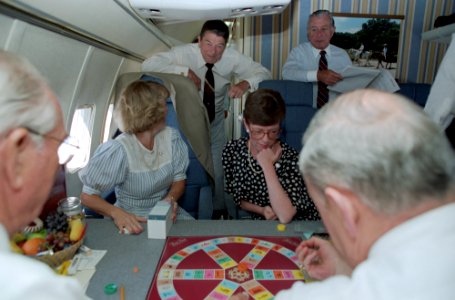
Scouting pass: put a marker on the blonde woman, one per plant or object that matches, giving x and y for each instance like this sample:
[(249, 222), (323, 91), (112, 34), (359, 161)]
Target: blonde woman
[(145, 164)]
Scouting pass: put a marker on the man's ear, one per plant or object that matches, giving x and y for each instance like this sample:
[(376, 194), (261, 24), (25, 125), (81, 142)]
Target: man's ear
[(16, 144), (344, 202)]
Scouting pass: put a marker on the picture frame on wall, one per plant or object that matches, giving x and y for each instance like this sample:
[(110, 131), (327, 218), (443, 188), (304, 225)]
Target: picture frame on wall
[(372, 41)]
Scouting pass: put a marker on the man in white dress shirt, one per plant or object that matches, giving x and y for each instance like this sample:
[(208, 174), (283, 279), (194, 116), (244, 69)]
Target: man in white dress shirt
[(440, 105), (303, 61), (382, 176), (31, 132)]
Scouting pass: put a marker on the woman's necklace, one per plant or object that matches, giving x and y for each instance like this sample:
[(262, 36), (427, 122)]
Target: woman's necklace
[(250, 158)]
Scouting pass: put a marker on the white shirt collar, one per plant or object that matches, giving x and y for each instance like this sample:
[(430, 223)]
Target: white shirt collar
[(316, 51)]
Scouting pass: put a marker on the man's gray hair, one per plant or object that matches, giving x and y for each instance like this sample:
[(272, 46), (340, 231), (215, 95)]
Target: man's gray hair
[(321, 12), (382, 147), (23, 96)]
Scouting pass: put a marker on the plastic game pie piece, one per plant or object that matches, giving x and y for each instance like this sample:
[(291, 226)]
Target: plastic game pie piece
[(110, 289), (308, 234), (281, 227)]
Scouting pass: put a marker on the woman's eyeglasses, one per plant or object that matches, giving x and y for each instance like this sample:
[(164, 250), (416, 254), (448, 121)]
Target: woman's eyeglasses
[(259, 133)]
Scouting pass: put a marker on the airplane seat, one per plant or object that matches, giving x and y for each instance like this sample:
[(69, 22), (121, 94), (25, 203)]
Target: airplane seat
[(197, 198), (298, 98), (417, 92)]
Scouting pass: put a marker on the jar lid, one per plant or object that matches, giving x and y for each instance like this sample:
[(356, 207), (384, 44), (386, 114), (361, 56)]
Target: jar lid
[(70, 205)]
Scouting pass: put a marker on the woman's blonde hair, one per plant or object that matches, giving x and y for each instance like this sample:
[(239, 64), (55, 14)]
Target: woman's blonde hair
[(141, 106)]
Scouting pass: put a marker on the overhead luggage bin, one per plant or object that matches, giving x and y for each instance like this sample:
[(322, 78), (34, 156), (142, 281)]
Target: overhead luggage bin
[(206, 9)]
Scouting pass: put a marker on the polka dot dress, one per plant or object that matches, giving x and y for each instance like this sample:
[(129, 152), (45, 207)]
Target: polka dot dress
[(245, 179)]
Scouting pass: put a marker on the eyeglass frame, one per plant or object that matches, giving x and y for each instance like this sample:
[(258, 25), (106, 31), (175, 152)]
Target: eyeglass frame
[(256, 132), (65, 141)]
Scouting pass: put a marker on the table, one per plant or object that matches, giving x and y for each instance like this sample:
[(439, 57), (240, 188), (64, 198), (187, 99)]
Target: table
[(124, 252)]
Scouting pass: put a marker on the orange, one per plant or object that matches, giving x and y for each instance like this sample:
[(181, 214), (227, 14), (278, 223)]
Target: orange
[(32, 246)]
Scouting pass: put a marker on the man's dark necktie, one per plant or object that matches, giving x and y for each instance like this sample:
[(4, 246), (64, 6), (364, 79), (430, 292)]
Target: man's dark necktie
[(209, 92), (323, 92)]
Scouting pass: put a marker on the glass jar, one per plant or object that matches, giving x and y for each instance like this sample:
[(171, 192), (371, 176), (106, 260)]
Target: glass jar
[(72, 208)]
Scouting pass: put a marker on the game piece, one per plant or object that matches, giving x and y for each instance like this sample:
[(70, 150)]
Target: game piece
[(122, 293), (110, 289), (135, 269), (307, 235), (281, 227)]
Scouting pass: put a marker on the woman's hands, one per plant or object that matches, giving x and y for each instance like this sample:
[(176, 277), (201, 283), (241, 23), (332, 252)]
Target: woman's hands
[(320, 259), (127, 223), (268, 213), (174, 206), (267, 157)]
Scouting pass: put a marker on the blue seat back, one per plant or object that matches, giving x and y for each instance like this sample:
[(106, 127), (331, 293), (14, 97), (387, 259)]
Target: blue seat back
[(417, 92)]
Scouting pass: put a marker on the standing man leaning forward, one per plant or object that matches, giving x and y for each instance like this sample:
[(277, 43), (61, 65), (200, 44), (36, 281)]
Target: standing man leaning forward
[(382, 175), (190, 60), (31, 132), (303, 61)]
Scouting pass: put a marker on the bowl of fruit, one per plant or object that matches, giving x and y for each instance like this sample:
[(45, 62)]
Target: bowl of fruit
[(53, 241)]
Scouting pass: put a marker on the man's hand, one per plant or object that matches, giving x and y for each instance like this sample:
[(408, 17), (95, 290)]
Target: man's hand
[(194, 78), (321, 259), (329, 77), (237, 90)]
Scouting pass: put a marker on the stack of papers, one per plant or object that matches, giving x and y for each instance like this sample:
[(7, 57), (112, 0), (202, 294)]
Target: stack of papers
[(83, 265)]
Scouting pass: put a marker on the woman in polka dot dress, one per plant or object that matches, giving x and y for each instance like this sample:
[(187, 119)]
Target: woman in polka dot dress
[(261, 172)]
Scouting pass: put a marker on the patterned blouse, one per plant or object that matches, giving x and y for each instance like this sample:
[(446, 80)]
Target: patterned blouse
[(245, 179)]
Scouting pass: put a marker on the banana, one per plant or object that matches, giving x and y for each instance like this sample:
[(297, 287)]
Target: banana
[(18, 237), (15, 248), (77, 229)]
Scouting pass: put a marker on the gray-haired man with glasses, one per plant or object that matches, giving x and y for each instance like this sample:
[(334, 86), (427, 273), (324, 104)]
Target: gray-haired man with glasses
[(31, 133)]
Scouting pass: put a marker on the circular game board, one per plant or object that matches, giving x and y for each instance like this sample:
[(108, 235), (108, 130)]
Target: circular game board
[(218, 267)]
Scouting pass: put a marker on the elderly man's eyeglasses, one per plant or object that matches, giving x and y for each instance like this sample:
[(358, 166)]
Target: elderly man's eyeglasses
[(259, 133), (67, 148)]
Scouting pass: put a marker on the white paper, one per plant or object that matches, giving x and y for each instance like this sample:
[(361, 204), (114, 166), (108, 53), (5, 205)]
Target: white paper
[(354, 78), (385, 82), (358, 78), (84, 277), (86, 260)]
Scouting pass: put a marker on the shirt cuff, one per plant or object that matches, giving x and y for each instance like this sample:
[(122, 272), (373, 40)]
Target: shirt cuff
[(312, 76)]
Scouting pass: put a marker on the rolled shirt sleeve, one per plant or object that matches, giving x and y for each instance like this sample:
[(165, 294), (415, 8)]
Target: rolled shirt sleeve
[(107, 168)]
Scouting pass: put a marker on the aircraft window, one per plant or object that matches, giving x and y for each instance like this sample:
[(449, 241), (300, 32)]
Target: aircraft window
[(108, 124), (82, 129)]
